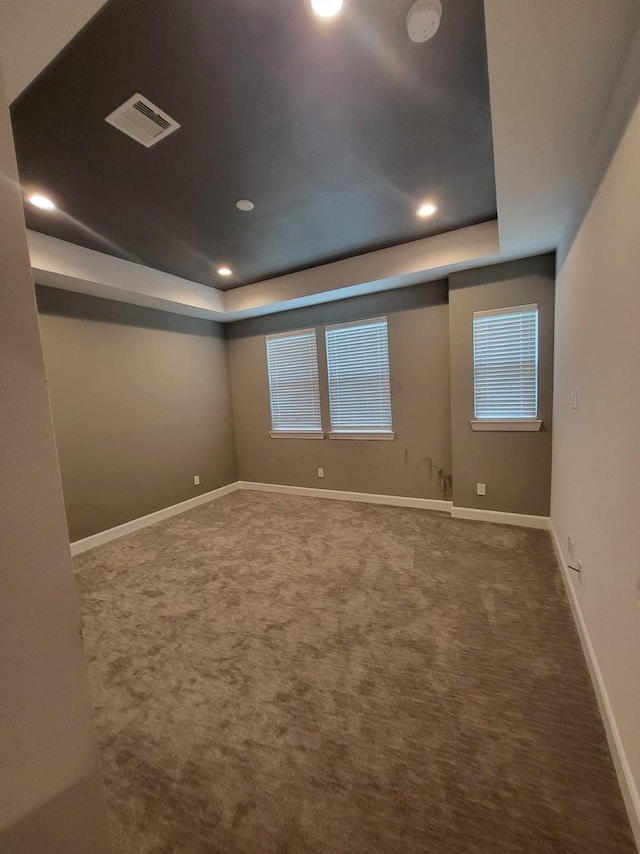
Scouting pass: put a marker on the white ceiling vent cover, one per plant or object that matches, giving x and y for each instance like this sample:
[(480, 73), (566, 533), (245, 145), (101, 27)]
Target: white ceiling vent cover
[(142, 121)]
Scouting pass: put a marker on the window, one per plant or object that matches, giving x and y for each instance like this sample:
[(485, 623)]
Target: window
[(505, 362), (359, 386), (292, 364)]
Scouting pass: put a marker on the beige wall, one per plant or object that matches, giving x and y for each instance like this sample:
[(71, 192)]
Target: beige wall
[(596, 450), (50, 783), (516, 467), (141, 404), (418, 354)]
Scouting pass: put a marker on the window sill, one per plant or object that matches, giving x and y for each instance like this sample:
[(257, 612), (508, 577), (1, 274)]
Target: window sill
[(510, 425), (344, 434), (296, 434)]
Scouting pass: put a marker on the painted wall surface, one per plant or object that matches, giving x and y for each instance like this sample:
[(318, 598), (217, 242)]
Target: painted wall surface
[(141, 403), (418, 355), (596, 449), (50, 783), (516, 467)]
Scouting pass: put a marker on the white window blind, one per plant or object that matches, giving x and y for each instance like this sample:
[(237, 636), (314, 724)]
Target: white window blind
[(292, 361), (358, 367), (505, 361)]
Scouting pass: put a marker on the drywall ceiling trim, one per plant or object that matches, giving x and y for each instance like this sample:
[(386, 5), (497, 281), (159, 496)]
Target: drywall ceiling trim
[(59, 264), (552, 69), (396, 266), (392, 283), (32, 32), (388, 284)]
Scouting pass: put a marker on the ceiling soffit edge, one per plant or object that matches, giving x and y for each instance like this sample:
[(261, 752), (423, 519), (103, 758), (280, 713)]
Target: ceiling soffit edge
[(59, 264)]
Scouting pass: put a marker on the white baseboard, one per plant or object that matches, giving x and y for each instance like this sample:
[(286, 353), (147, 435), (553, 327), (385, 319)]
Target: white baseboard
[(628, 785), (135, 524), (339, 495), (310, 492), (497, 516)]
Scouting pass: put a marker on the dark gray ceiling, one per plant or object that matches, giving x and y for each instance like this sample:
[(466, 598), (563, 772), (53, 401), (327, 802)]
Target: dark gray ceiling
[(335, 130)]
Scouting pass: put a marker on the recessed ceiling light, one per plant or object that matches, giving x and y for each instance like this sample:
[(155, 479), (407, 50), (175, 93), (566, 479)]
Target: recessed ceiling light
[(326, 8), (245, 205), (224, 271), (426, 210), (41, 202)]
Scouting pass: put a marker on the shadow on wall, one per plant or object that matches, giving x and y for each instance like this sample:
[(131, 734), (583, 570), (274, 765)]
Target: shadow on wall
[(60, 303), (57, 820)]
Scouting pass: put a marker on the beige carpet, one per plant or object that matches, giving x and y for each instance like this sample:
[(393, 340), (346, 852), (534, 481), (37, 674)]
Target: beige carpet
[(278, 674)]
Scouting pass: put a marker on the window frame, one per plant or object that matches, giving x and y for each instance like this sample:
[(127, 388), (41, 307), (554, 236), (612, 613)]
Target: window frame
[(512, 423), (358, 432), (274, 432)]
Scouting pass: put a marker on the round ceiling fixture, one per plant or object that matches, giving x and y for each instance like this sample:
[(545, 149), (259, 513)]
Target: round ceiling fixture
[(42, 202), (423, 20), (426, 210), (326, 8), (224, 271), (245, 205)]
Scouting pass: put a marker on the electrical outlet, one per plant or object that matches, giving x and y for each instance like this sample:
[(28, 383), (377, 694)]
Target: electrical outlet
[(570, 544), (196, 479), (574, 398), (481, 488), (320, 472)]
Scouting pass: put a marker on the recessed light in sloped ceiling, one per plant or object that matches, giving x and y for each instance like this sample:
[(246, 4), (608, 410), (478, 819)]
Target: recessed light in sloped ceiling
[(42, 202), (326, 9), (426, 210)]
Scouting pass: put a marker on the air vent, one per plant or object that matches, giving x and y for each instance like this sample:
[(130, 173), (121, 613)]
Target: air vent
[(142, 121)]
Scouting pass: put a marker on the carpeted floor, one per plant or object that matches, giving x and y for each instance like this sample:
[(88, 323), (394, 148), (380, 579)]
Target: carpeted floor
[(278, 674)]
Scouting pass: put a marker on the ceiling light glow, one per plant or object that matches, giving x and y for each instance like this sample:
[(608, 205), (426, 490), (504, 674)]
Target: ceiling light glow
[(326, 8), (224, 271), (41, 202), (245, 205), (426, 210)]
